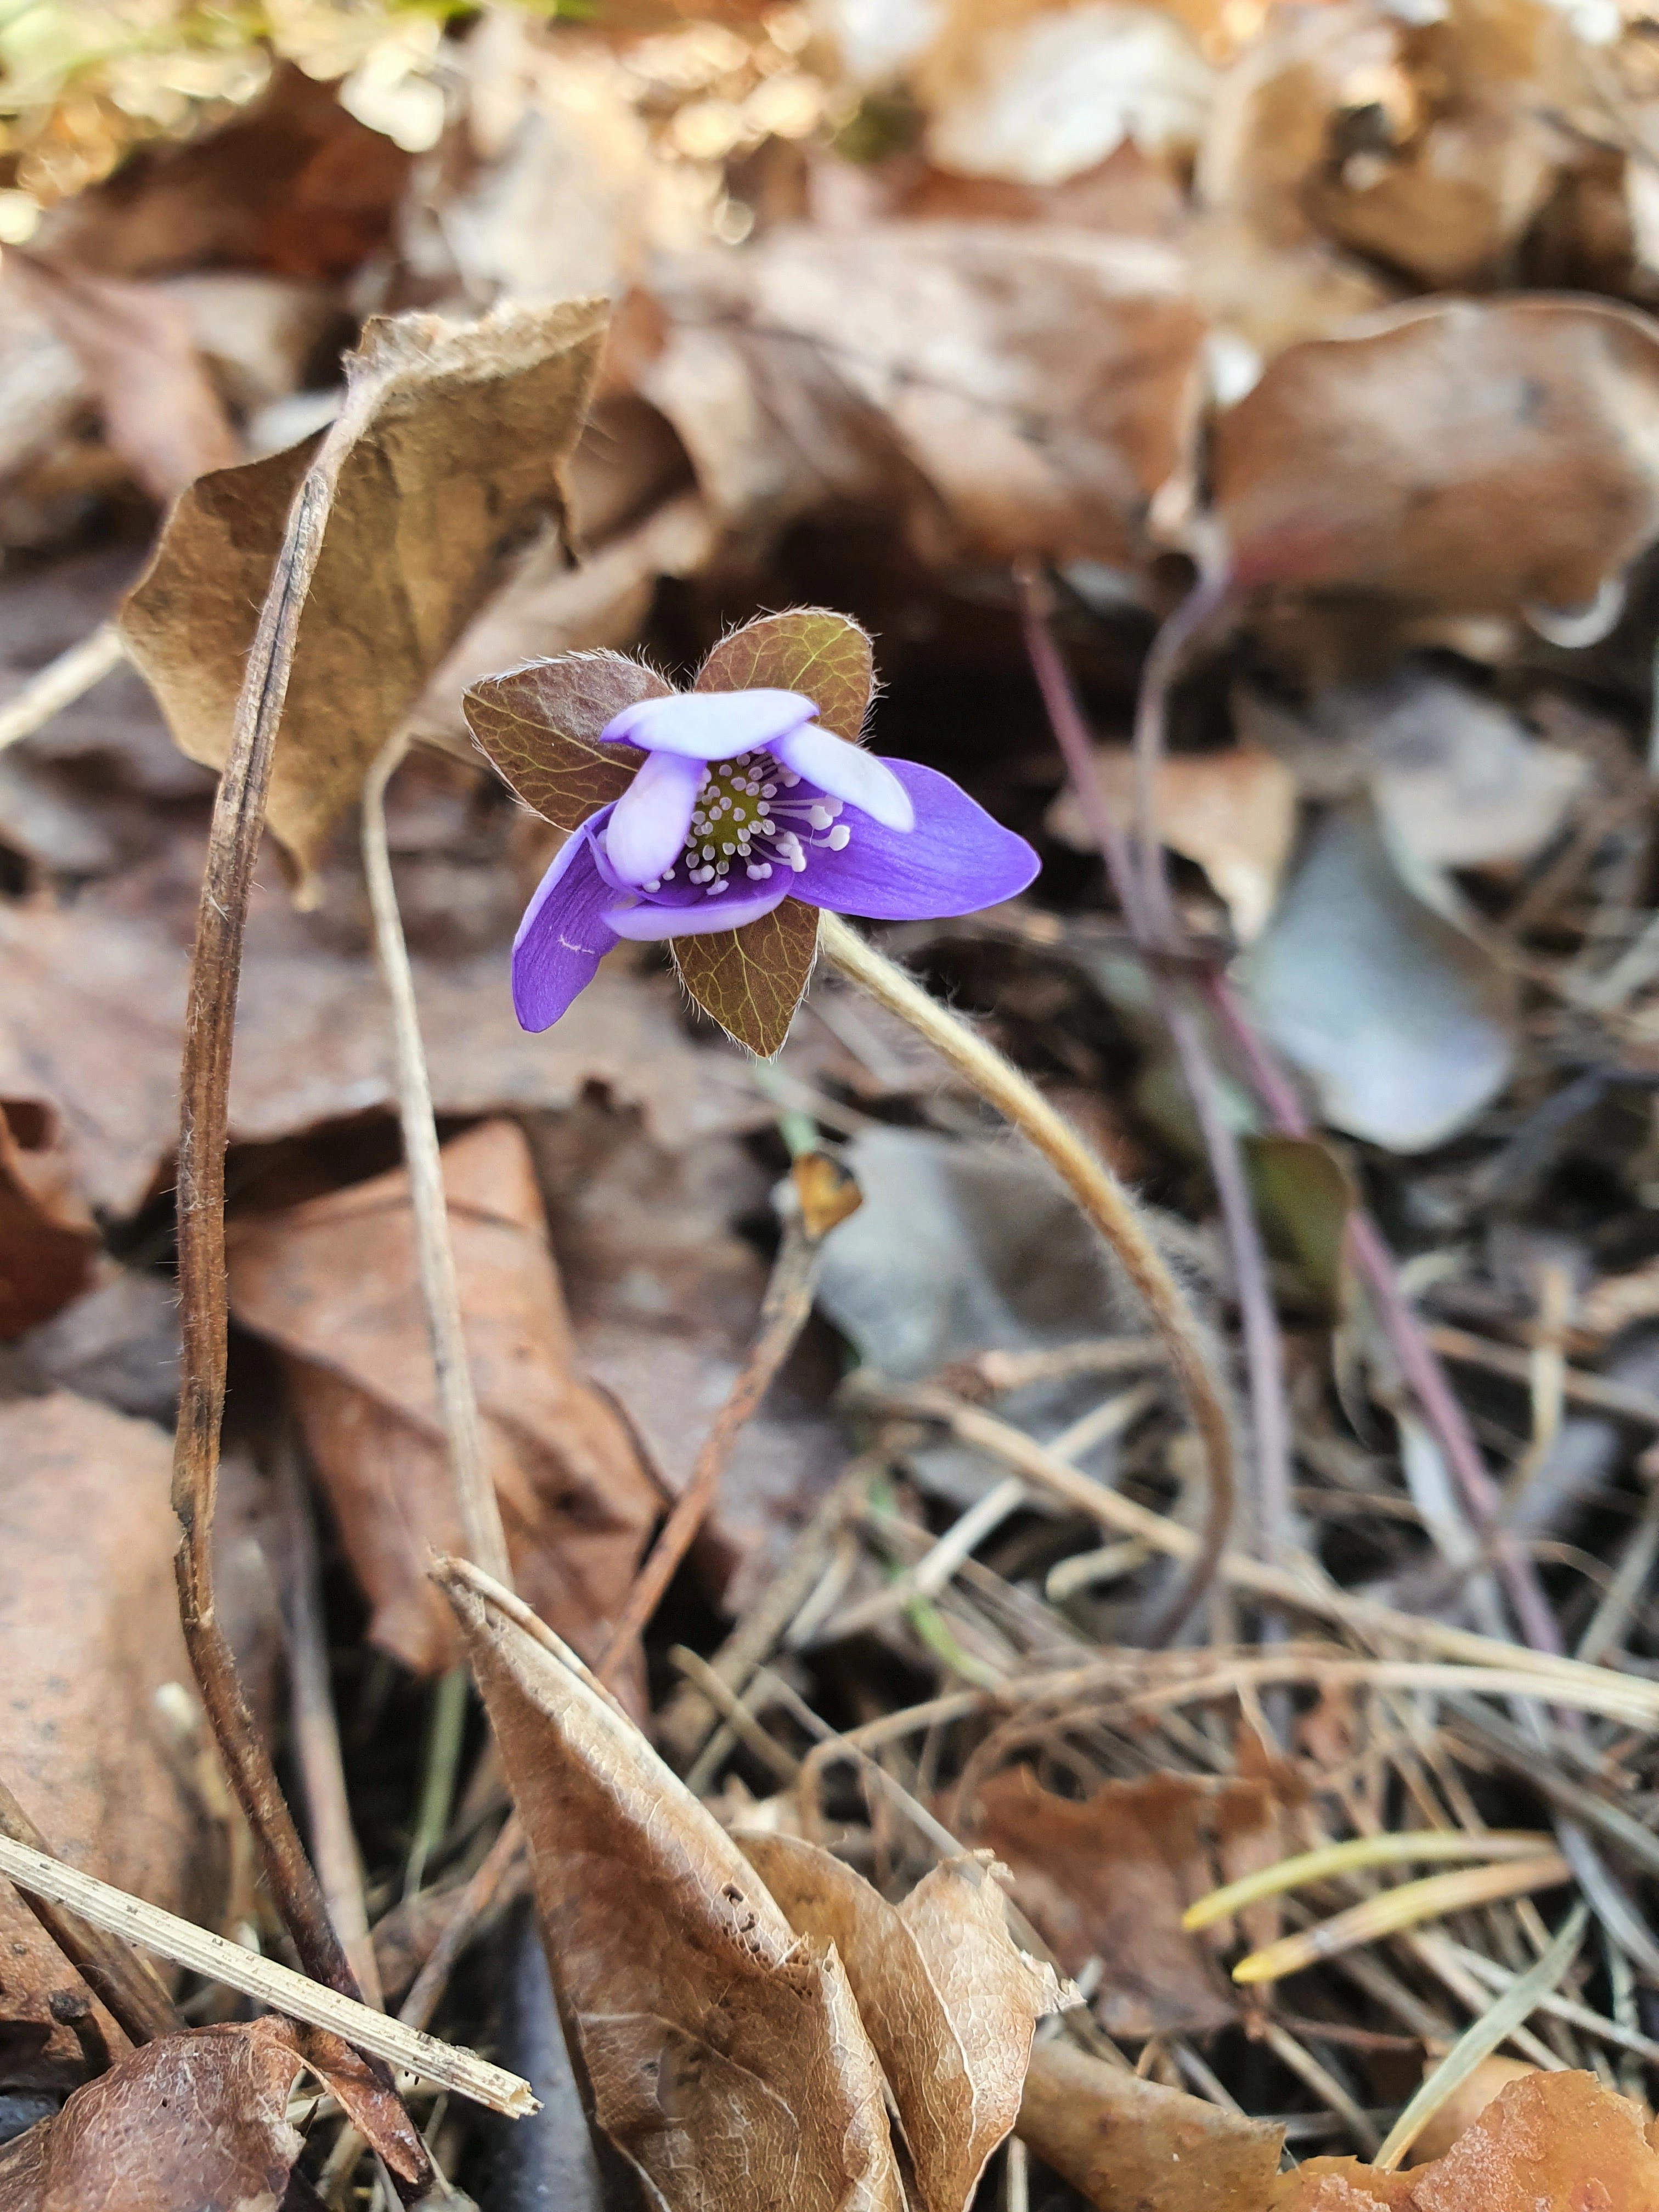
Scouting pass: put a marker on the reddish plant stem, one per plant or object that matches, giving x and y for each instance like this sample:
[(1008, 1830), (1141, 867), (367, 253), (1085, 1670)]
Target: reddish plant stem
[(1419, 1363), (1264, 1349)]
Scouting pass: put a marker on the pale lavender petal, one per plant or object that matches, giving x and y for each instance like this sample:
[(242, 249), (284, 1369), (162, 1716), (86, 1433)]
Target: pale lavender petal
[(564, 935), (957, 860), (710, 726), (649, 923), (648, 827), (846, 772)]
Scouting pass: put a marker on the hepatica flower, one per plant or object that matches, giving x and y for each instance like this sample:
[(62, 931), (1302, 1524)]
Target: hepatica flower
[(718, 819)]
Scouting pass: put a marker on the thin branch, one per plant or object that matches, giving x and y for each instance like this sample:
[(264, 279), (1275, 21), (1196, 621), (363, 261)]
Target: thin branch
[(317, 1736), (784, 1312), (271, 1982), (60, 683), (1106, 1203), (1264, 1349), (441, 1296), (125, 1983)]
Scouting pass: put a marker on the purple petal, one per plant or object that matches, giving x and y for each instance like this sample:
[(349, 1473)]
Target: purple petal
[(957, 860), (649, 924), (648, 827), (564, 935), (846, 772), (710, 726)]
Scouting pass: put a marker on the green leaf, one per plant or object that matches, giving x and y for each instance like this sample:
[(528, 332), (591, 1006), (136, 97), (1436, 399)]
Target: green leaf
[(751, 980), (540, 726), (809, 650), (1306, 1196)]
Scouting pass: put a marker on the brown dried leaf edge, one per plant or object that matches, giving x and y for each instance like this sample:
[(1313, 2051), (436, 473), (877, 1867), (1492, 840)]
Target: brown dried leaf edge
[(729, 2035), (540, 726)]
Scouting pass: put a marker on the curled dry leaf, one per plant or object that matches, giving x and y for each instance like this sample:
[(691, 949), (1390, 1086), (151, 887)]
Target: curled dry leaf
[(1549, 2142), (1109, 1879), (1129, 2145), (333, 1282), (199, 2120), (457, 466), (945, 372), (89, 1622), (1233, 812), (720, 2053), (948, 2000), (1475, 456)]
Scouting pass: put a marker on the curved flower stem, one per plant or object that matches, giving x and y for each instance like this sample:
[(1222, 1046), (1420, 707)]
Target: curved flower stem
[(1106, 1203)]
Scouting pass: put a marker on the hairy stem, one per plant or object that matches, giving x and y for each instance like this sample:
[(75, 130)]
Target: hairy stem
[(480, 1510), (1102, 1199)]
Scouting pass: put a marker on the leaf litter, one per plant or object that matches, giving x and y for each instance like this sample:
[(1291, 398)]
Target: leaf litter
[(1339, 318)]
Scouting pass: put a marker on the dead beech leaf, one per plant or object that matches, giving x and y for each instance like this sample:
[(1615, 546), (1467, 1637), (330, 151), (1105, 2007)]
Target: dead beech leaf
[(333, 1283), (1471, 456), (1548, 2143), (199, 2120), (1233, 812), (137, 348), (89, 1626), (457, 466), (1110, 1878), (948, 373), (1465, 2105), (723, 2054), (947, 2000), (1129, 2145)]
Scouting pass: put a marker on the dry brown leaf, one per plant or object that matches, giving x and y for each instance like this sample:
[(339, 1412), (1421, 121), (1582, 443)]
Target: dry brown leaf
[(1110, 1878), (199, 2119), (1002, 387), (948, 2001), (89, 1627), (1548, 2143), (1465, 2105), (1233, 812), (137, 348), (458, 465), (1427, 144), (723, 2055), (92, 1019), (1473, 456), (291, 184), (1134, 2145), (334, 1283), (47, 1234)]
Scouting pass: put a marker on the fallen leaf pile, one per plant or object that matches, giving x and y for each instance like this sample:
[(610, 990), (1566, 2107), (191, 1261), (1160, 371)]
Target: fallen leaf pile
[(1223, 436)]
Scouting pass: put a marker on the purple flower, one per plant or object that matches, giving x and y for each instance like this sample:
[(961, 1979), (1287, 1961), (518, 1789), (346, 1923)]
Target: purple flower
[(743, 801)]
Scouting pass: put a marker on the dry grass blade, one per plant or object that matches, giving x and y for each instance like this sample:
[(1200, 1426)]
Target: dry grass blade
[(1482, 2037), (61, 683), (1361, 1851), (272, 1984), (1404, 1907)]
